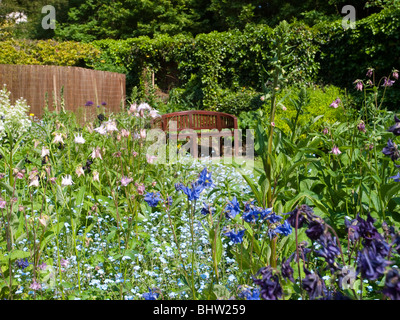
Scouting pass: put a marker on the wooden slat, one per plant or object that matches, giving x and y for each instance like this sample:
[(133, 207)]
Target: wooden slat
[(32, 82)]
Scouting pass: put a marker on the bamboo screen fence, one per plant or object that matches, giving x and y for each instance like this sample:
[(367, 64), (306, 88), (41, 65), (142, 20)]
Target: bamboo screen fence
[(74, 86)]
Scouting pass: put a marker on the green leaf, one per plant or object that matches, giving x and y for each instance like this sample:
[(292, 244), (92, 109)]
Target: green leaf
[(14, 255)]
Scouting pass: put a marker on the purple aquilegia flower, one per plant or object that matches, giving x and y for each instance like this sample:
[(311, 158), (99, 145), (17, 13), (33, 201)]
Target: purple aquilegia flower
[(269, 284), (315, 230), (361, 126), (22, 263), (388, 82), (305, 215), (235, 237), (369, 72), (395, 129), (329, 250), (334, 104), (232, 208), (286, 270), (392, 285), (370, 264), (207, 209), (391, 150), (152, 198), (313, 284), (151, 295), (89, 103)]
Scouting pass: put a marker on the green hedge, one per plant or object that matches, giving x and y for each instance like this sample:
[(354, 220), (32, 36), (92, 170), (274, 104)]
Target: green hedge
[(48, 52)]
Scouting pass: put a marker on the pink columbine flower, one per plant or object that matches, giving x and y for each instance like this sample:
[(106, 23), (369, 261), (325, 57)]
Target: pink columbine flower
[(284, 108), (3, 203), (359, 85), (79, 139), (134, 153), (143, 133), (132, 108), (395, 74), (125, 133), (333, 105), (125, 181), (273, 124), (79, 171), (96, 153), (140, 189), (150, 159), (35, 285), (335, 150), (369, 72)]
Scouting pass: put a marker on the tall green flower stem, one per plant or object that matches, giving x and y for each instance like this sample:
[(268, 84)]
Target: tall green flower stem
[(280, 46)]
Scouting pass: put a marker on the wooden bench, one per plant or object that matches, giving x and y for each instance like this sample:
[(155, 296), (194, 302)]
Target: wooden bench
[(205, 124)]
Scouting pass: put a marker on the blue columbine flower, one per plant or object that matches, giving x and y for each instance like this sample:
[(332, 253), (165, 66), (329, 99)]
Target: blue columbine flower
[(249, 294), (194, 192), (152, 198), (205, 179), (274, 218), (232, 208), (392, 285), (235, 237), (284, 228), (151, 295)]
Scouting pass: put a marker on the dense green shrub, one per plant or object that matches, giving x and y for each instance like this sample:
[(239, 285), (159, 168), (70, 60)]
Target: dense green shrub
[(347, 54), (48, 52), (318, 103)]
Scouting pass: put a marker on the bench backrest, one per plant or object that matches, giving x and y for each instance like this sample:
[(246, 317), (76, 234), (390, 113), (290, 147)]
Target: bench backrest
[(196, 120)]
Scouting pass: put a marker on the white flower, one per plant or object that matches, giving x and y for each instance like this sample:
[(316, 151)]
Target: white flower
[(67, 181), (45, 152), (110, 126), (101, 130), (96, 153), (34, 182), (58, 138), (143, 106), (96, 176), (79, 171), (154, 114), (79, 139)]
